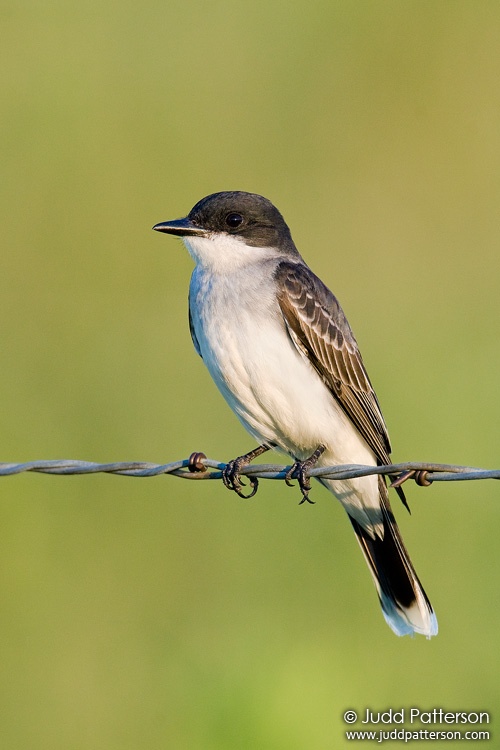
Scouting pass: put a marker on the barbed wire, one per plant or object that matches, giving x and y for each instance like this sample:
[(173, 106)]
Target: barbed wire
[(198, 466)]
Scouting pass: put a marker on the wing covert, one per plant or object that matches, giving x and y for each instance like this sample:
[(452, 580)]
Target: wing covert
[(319, 329)]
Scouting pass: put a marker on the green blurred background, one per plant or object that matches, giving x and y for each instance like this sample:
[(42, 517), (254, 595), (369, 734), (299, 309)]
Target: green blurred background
[(160, 613)]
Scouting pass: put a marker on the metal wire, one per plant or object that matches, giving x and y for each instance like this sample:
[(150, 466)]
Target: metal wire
[(200, 467)]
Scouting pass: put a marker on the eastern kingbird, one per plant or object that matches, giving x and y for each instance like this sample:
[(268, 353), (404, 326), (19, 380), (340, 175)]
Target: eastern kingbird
[(279, 348)]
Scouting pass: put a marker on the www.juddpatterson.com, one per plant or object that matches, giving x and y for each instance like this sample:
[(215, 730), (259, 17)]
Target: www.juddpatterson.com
[(416, 717)]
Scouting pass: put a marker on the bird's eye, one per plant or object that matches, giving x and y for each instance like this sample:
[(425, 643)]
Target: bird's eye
[(234, 220)]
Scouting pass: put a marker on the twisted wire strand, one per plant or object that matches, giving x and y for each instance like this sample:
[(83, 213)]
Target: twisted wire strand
[(206, 468)]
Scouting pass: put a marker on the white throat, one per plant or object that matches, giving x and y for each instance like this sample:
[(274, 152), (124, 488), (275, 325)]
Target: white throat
[(224, 253)]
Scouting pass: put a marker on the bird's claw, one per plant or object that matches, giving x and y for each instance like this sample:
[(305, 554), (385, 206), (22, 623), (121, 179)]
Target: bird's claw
[(231, 477), (300, 471)]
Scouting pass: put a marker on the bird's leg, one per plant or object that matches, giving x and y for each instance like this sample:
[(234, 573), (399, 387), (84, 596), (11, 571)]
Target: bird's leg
[(300, 470), (231, 472)]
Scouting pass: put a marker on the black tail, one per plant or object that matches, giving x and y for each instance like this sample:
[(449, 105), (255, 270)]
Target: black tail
[(405, 605)]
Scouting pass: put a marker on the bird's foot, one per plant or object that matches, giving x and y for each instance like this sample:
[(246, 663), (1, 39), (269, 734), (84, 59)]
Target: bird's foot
[(231, 473), (300, 470)]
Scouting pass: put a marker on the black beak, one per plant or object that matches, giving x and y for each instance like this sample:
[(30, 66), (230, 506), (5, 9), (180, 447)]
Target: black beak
[(180, 227)]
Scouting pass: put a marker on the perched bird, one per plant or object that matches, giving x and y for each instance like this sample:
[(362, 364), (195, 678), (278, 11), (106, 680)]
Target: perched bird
[(279, 348)]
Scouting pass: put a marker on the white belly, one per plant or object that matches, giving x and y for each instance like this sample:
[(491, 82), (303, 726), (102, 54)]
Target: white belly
[(271, 386)]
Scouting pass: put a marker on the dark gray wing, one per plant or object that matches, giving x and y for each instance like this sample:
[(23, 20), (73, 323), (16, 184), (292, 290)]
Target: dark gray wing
[(319, 329), (191, 329)]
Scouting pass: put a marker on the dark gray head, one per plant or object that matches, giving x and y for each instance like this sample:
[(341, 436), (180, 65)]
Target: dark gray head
[(246, 216)]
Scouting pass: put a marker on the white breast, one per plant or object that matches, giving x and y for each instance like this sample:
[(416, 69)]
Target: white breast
[(268, 383)]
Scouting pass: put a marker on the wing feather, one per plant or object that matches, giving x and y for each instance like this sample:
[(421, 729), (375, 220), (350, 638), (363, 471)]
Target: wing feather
[(191, 329), (319, 328)]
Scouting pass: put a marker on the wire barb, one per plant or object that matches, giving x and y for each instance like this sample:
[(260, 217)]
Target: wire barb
[(198, 466), (195, 462)]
